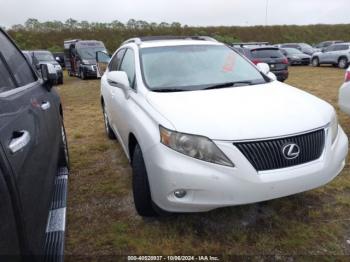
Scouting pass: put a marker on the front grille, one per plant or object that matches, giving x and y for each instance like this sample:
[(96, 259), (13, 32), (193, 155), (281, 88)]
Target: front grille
[(267, 154)]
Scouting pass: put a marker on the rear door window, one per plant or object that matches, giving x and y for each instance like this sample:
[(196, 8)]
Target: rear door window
[(341, 47), (266, 53), (17, 63)]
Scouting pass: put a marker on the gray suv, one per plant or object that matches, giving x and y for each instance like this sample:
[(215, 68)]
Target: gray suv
[(337, 55)]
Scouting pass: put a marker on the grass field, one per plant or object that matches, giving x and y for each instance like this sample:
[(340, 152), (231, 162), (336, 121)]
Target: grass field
[(102, 219)]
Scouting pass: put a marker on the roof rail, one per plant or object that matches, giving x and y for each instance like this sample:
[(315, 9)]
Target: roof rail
[(241, 44), (139, 40)]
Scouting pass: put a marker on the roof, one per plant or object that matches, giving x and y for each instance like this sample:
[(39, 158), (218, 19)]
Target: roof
[(156, 41)]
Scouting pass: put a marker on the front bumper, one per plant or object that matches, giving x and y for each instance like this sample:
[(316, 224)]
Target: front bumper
[(300, 61), (344, 98), (89, 70), (211, 186)]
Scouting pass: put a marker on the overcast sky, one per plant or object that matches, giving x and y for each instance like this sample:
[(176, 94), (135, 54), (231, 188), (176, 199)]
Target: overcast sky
[(190, 12)]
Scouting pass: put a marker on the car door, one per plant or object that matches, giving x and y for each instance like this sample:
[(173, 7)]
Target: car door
[(102, 61), (109, 90), (121, 98), (326, 56), (26, 143)]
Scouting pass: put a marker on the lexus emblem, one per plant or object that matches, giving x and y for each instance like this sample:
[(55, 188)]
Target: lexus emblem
[(291, 151)]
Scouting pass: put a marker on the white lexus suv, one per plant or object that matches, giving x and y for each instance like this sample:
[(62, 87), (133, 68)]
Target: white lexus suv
[(204, 128)]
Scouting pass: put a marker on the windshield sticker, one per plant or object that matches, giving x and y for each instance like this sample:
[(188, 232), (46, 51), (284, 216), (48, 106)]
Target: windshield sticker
[(229, 63)]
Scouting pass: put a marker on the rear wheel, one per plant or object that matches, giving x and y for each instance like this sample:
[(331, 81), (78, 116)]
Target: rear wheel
[(315, 61), (343, 63), (140, 185), (108, 128)]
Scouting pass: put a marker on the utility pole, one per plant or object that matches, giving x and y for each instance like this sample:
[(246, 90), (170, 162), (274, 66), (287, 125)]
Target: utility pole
[(266, 13)]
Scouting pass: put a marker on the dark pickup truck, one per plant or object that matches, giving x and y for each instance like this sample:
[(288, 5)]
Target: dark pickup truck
[(33, 160)]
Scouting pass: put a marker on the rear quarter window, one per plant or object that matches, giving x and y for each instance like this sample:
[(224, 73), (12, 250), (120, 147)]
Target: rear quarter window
[(18, 65), (6, 81)]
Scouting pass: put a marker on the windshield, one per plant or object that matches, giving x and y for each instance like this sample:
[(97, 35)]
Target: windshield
[(292, 51), (90, 52), (44, 56), (195, 67)]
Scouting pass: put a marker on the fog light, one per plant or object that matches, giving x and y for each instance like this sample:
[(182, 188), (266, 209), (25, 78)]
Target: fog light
[(180, 193)]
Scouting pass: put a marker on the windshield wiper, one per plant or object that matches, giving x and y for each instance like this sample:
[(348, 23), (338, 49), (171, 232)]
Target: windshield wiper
[(168, 90), (228, 84)]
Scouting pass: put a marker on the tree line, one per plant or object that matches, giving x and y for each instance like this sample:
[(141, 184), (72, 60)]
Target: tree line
[(50, 35)]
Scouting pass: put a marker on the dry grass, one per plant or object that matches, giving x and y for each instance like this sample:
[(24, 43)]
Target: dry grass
[(102, 219)]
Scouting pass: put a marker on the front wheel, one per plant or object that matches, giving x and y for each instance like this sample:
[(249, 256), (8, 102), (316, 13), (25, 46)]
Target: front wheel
[(82, 75), (140, 186), (315, 62), (108, 128), (343, 63)]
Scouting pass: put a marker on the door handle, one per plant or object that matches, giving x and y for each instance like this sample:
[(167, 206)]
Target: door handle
[(45, 105), (19, 141)]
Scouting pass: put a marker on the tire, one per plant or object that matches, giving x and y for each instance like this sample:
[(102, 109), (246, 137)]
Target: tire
[(63, 160), (343, 63), (315, 62), (82, 75), (140, 185), (108, 129), (60, 81)]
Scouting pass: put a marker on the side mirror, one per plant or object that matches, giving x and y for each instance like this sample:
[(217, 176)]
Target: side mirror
[(263, 68), (58, 59), (49, 75), (272, 76), (102, 61), (118, 79)]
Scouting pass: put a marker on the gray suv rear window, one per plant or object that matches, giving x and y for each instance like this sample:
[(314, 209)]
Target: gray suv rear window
[(266, 53)]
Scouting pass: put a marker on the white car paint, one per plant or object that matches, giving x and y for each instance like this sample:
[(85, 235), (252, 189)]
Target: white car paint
[(257, 112), (344, 93)]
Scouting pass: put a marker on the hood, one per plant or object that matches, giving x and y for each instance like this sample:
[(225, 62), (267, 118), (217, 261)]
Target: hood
[(308, 51), (239, 113), (89, 61)]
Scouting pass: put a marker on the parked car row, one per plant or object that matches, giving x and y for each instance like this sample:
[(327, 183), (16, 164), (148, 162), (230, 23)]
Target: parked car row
[(336, 53)]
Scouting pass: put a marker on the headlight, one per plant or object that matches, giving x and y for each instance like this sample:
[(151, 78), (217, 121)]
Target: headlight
[(198, 147), (85, 62), (334, 127), (58, 67), (295, 57)]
